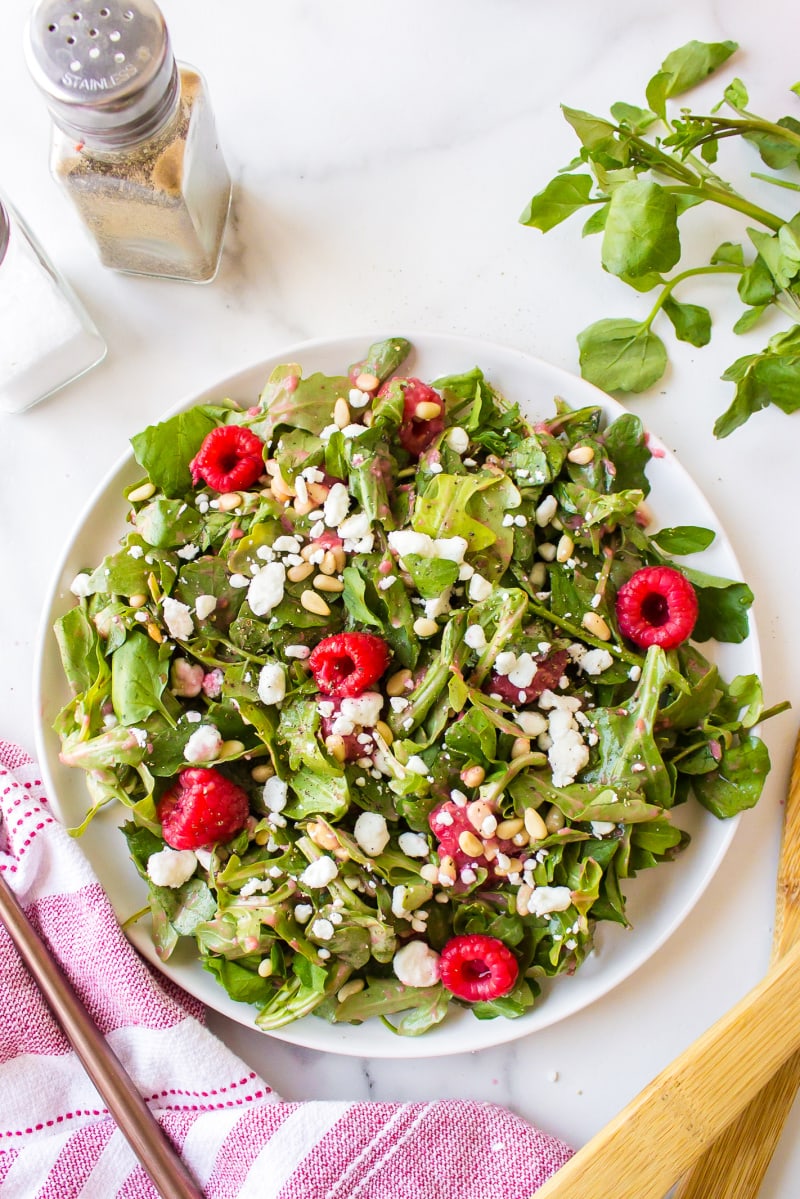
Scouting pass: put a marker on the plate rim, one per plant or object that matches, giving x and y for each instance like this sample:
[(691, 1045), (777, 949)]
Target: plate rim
[(301, 1033)]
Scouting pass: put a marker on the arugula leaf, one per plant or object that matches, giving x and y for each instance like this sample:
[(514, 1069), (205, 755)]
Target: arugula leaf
[(164, 451)]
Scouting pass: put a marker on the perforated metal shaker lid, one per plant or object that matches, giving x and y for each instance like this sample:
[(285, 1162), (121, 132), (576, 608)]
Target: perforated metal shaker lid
[(105, 67)]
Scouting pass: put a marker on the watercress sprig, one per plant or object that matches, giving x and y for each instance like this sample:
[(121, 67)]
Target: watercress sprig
[(640, 171)]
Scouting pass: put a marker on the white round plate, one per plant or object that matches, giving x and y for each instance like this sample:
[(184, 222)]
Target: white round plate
[(658, 900)]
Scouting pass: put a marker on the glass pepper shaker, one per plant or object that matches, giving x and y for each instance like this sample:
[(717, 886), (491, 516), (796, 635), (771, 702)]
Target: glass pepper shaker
[(134, 143), (46, 337)]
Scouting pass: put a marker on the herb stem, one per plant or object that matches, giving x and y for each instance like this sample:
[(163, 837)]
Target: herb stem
[(730, 199), (671, 284)]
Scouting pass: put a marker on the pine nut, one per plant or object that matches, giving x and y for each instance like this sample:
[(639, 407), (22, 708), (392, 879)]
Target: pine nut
[(424, 627), (367, 418), (538, 576), (507, 829), (229, 749), (537, 829), (322, 836), (546, 511), (312, 601), (546, 551), (265, 967), (262, 772), (514, 867), (307, 550), (138, 600), (350, 988), (554, 820), (366, 381), (228, 501), (339, 558), (520, 839), (154, 632), (564, 548), (477, 813), (520, 747), (396, 683), (296, 574), (280, 491), (469, 844), (473, 776), (262, 836), (581, 455), (383, 730), (328, 583), (317, 492), (593, 623), (303, 507), (328, 563), (427, 410), (341, 413), (447, 871), (523, 899), (143, 492), (336, 747), (489, 827), (429, 872)]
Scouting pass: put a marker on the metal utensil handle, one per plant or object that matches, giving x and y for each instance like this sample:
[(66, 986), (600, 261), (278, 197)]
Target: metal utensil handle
[(135, 1120)]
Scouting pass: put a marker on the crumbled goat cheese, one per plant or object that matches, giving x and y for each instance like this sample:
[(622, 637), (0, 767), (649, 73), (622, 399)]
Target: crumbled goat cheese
[(355, 526), (322, 929), (457, 439), (276, 794), (286, 544), (319, 873), (336, 504), (186, 678), (364, 709), (416, 765), (406, 541), (475, 637), (297, 651), (171, 867), (479, 588), (601, 828), (372, 833), (549, 899), (416, 964), (594, 661), (452, 549), (532, 723), (265, 590), (203, 745), (523, 672), (271, 683), (80, 585), (413, 845), (505, 662), (303, 913), (187, 552), (178, 619), (204, 605)]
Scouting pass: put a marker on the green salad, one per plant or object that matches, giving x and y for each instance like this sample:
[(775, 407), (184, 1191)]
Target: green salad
[(399, 689)]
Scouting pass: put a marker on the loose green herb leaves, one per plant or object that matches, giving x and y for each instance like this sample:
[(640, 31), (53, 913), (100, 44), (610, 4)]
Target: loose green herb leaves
[(642, 169)]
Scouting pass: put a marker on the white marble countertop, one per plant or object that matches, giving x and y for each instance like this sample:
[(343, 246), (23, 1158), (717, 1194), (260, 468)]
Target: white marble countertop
[(381, 157)]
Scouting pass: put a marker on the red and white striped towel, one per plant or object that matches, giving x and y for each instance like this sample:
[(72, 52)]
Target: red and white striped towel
[(237, 1137)]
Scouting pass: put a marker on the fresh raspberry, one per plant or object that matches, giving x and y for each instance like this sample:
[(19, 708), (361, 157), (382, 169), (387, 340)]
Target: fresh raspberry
[(201, 808), (657, 606), (549, 669), (416, 433), (348, 663), (229, 458), (447, 822), (478, 968)]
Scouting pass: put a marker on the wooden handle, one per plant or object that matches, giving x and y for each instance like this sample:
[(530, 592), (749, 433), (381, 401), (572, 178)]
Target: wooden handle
[(673, 1119), (134, 1118), (735, 1164)]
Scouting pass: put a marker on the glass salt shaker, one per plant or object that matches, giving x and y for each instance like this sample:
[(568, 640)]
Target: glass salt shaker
[(134, 143), (47, 339)]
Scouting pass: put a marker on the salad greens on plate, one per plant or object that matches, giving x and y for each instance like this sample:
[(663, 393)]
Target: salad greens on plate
[(399, 690)]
